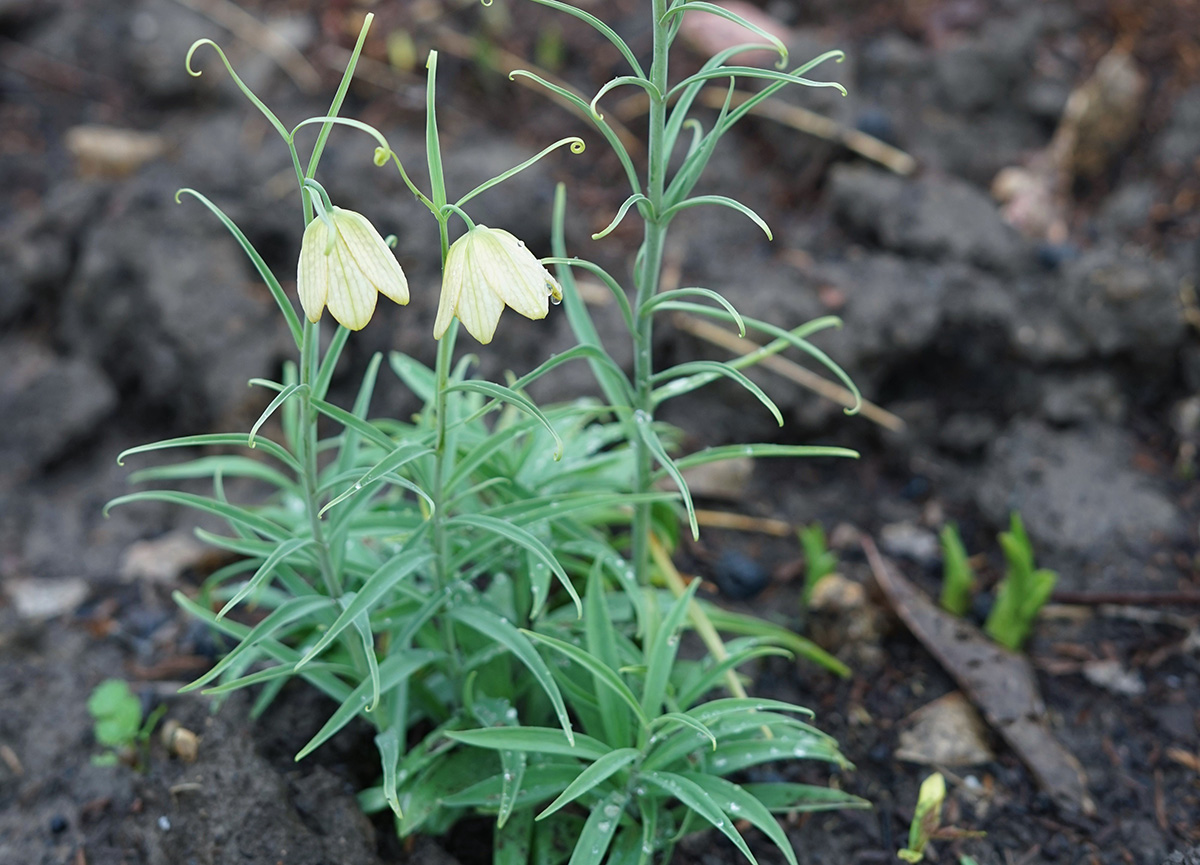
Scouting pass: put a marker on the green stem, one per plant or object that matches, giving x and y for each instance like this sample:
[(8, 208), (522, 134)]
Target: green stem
[(308, 459), (646, 277)]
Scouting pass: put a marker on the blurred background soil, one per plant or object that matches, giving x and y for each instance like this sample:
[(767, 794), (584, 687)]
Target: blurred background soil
[(1018, 281)]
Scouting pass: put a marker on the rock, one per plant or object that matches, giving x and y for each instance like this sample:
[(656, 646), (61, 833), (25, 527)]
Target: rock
[(981, 73), (1071, 399), (38, 248), (106, 151), (938, 218), (44, 599), (967, 433), (48, 403), (911, 541), (1127, 209), (1112, 676), (738, 576), (168, 305), (946, 732), (1179, 144), (1124, 302), (894, 309), (724, 479), (164, 559), (1076, 491), (1184, 857)]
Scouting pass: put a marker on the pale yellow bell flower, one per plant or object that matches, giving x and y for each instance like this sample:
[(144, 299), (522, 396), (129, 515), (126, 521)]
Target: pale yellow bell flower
[(486, 270), (344, 264)]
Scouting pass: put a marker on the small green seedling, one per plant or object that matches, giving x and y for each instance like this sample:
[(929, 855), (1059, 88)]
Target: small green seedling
[(927, 817), (118, 715), (1023, 591), (819, 561), (958, 577)]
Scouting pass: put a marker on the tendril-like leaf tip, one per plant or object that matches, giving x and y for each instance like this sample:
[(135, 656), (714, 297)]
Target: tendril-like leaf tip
[(187, 60), (382, 155), (578, 146), (486, 2)]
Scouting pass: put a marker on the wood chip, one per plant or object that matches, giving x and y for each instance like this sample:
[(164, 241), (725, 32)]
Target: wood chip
[(999, 682)]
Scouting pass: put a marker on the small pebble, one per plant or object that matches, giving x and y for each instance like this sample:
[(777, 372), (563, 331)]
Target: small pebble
[(738, 576), (164, 823), (58, 824)]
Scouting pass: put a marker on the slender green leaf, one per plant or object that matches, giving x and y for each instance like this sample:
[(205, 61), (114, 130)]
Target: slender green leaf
[(598, 831), (741, 805), (694, 291), (591, 777), (502, 631), (368, 597), (280, 398), (697, 799), (660, 653), (537, 740), (264, 445), (522, 538), (392, 671), (690, 368), (602, 674), (277, 292), (721, 201), (291, 610), (231, 513), (512, 397)]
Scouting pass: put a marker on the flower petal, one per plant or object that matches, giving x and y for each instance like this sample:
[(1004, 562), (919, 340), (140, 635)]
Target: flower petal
[(478, 307), (371, 255), (513, 273), (351, 297), (452, 284), (312, 276)]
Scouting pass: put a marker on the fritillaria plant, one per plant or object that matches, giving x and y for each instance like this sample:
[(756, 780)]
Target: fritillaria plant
[(489, 585)]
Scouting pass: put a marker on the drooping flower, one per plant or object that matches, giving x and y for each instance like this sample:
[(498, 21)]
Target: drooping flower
[(486, 270), (344, 264)]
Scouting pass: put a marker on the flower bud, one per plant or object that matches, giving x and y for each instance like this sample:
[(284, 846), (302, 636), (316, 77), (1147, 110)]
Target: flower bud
[(486, 270), (344, 264)]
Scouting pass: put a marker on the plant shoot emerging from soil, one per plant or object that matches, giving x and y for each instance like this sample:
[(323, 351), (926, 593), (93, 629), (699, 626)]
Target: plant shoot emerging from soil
[(489, 585)]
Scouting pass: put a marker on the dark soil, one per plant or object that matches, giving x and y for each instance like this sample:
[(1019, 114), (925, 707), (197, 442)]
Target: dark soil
[(1057, 378)]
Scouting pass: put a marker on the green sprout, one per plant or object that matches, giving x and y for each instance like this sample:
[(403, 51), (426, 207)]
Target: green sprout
[(958, 577), (819, 560), (927, 818), (117, 713), (1023, 592)]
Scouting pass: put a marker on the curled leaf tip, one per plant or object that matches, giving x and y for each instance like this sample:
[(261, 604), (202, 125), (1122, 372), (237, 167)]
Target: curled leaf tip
[(578, 146), (382, 155), (187, 60)]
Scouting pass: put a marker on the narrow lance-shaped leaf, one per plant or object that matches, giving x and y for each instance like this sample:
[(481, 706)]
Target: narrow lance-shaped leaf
[(591, 777), (538, 740), (604, 676), (512, 397), (279, 555), (697, 799), (280, 398), (277, 292), (598, 831), (391, 672), (383, 580), (231, 513), (522, 538), (492, 625), (655, 446), (388, 743), (694, 367), (214, 439)]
